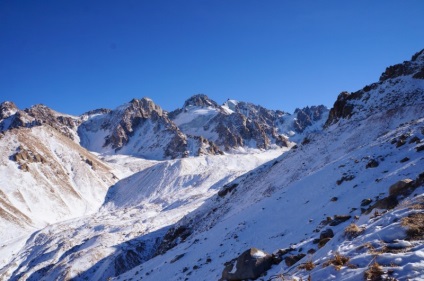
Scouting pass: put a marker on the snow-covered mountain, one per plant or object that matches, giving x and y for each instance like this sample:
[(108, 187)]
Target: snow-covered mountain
[(140, 128), (240, 125), (344, 203)]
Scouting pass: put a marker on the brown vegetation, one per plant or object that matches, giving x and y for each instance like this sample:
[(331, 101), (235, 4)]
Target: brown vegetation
[(414, 224), (337, 261), (353, 231), (374, 272)]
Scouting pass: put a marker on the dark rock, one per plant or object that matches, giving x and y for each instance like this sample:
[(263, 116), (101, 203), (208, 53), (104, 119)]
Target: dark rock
[(345, 178), (399, 187), (227, 189), (177, 257), (341, 108), (251, 264), (328, 233), (338, 219), (173, 236), (372, 164), (404, 160), (400, 142), (291, 260), (311, 251), (415, 139), (282, 252), (322, 242), (366, 202), (419, 148), (305, 117), (386, 203), (334, 199)]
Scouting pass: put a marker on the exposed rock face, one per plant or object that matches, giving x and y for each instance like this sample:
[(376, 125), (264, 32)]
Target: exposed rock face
[(382, 96), (232, 125), (127, 120), (307, 116), (11, 118), (43, 115), (413, 67), (251, 264), (399, 187), (341, 108), (24, 156), (7, 109), (200, 100), (138, 128)]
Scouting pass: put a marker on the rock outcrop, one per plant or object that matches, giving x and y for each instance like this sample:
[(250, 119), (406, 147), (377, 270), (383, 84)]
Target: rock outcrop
[(382, 96), (307, 116), (251, 264)]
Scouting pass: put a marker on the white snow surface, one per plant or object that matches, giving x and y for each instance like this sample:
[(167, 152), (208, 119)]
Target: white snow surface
[(153, 196)]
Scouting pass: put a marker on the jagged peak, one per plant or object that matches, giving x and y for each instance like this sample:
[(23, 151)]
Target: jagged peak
[(145, 105), (414, 67), (7, 108), (40, 110), (96, 112), (200, 100), (320, 107), (418, 56)]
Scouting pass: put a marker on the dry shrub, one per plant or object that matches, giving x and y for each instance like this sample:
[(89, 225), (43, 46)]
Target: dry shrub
[(414, 224), (367, 246), (309, 265), (374, 272), (337, 261), (352, 231)]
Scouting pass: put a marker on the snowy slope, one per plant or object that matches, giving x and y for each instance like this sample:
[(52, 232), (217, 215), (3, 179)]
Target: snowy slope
[(287, 204), (136, 214), (46, 177), (284, 205)]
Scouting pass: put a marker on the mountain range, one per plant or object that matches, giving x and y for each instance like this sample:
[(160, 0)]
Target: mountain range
[(218, 192)]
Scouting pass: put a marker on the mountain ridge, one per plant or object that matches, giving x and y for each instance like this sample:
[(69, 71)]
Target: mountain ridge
[(351, 188)]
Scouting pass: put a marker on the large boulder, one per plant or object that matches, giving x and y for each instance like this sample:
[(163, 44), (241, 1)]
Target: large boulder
[(399, 187), (251, 264)]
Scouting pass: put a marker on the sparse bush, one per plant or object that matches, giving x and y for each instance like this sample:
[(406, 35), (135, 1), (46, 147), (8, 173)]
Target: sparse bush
[(374, 272), (353, 231), (337, 261), (309, 265), (414, 224)]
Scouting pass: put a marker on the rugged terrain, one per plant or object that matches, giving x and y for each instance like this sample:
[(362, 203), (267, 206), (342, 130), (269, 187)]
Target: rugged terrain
[(208, 192)]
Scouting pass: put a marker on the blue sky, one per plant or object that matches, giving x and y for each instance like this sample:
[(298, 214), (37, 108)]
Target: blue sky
[(79, 55)]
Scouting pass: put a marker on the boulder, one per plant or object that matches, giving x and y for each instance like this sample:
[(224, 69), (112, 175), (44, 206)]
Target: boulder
[(338, 219), (399, 187), (251, 264), (291, 260), (328, 233)]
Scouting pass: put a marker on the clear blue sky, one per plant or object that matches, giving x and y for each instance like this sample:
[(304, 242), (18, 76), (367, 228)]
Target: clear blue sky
[(77, 55)]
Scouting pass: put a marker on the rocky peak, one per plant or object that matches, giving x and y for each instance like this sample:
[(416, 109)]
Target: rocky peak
[(307, 116), (7, 109), (96, 112), (341, 108), (200, 100), (145, 107), (414, 67)]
